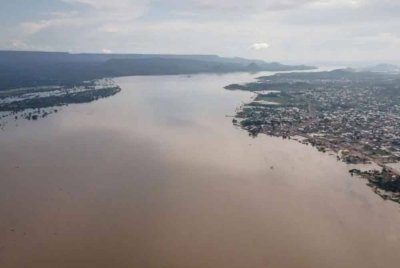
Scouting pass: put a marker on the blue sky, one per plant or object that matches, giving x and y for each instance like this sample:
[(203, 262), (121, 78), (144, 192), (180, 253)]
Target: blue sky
[(274, 30)]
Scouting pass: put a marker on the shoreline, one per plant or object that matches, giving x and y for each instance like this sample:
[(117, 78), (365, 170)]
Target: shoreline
[(352, 114), (39, 102), (384, 182)]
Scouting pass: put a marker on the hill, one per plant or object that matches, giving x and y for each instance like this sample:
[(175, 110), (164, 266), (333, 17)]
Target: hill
[(27, 69)]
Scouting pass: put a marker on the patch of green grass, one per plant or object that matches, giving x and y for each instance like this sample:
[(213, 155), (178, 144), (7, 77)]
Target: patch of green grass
[(273, 97)]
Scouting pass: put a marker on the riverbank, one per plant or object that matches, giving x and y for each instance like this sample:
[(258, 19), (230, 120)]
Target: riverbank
[(352, 114), (39, 102)]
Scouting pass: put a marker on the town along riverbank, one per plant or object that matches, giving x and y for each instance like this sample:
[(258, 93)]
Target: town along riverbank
[(353, 114)]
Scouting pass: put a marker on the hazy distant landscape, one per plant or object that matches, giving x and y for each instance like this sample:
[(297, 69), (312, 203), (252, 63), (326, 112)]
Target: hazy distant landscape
[(27, 69)]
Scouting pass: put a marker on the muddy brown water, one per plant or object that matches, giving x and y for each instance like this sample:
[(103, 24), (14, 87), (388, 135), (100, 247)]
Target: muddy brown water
[(157, 176)]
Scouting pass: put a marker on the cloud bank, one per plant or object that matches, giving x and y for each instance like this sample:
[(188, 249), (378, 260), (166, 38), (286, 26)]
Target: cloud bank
[(259, 46), (300, 30)]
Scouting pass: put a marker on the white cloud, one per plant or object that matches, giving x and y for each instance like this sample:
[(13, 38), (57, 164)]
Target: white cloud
[(18, 44), (34, 27), (259, 46), (254, 5), (111, 4), (106, 51)]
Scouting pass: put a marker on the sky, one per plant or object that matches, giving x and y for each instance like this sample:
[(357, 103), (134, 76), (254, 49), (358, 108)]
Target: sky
[(297, 31)]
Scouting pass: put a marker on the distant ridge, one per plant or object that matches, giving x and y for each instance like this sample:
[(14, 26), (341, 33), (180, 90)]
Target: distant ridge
[(31, 68), (383, 68)]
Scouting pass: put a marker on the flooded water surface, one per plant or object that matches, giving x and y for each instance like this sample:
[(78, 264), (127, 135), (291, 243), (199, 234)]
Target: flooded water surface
[(157, 176)]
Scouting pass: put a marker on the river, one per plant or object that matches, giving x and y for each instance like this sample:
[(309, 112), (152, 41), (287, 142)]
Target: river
[(157, 176)]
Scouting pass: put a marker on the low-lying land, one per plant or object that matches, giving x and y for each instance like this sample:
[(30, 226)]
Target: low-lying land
[(386, 183), (39, 102), (355, 114)]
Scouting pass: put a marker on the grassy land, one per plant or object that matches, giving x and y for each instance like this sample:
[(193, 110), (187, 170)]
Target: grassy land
[(273, 97)]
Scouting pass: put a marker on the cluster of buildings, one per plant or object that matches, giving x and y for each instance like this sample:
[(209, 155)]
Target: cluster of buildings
[(362, 120), (357, 119)]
